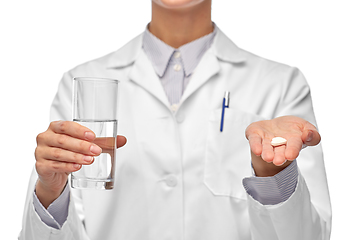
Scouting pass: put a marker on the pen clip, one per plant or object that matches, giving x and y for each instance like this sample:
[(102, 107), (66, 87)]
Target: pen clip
[(227, 99), (226, 103)]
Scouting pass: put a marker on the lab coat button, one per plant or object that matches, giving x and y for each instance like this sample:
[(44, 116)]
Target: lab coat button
[(171, 181), (180, 117)]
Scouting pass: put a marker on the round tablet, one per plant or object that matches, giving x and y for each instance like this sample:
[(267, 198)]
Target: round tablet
[(278, 141)]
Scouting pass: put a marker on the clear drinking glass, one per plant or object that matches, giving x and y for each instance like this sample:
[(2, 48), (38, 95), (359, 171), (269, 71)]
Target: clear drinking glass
[(94, 106)]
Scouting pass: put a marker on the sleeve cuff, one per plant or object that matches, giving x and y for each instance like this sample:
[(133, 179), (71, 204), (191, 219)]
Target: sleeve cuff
[(56, 214), (273, 190)]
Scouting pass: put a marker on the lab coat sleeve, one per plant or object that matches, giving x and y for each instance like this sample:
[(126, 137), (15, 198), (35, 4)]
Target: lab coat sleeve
[(307, 213), (33, 228)]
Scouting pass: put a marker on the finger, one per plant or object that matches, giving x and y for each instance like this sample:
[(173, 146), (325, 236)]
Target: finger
[(58, 154), (311, 137), (72, 144), (120, 141), (279, 155), (255, 142), (293, 148), (267, 150), (48, 166), (106, 143), (72, 129)]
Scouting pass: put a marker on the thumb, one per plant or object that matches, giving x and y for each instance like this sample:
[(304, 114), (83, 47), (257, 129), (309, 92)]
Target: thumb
[(310, 136), (120, 141)]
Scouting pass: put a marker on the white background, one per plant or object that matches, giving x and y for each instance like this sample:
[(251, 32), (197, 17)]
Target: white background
[(40, 40)]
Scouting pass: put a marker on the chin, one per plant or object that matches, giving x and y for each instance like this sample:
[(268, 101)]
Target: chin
[(177, 3)]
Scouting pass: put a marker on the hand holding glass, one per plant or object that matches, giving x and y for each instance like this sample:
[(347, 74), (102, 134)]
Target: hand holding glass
[(94, 106)]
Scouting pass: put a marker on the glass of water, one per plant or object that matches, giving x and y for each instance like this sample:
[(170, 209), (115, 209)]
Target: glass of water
[(94, 106)]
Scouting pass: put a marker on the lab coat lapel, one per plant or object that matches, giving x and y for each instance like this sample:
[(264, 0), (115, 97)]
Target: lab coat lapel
[(143, 74), (207, 67), (222, 50)]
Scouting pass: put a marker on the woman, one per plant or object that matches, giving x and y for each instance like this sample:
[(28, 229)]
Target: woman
[(179, 176)]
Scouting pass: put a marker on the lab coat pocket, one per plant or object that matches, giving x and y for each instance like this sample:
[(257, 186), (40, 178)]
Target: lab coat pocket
[(228, 159)]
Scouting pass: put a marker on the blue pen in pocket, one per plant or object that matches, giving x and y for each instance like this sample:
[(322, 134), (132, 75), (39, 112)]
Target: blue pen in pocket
[(226, 103)]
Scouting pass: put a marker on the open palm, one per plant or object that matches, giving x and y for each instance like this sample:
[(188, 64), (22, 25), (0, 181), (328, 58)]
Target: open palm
[(297, 131)]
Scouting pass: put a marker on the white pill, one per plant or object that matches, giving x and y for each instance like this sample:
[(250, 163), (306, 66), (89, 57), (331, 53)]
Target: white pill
[(278, 141)]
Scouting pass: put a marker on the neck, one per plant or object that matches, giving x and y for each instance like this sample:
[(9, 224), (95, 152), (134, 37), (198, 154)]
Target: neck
[(177, 27)]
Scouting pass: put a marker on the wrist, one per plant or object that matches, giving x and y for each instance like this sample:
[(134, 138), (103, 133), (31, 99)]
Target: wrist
[(47, 195), (266, 169)]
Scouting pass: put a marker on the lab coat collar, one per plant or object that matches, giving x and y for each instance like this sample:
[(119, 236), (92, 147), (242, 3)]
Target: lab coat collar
[(143, 73), (126, 55), (223, 48)]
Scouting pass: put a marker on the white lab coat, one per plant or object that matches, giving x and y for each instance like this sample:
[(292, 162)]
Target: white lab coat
[(178, 176)]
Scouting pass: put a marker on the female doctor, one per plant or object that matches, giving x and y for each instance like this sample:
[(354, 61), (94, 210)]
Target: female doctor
[(179, 176)]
